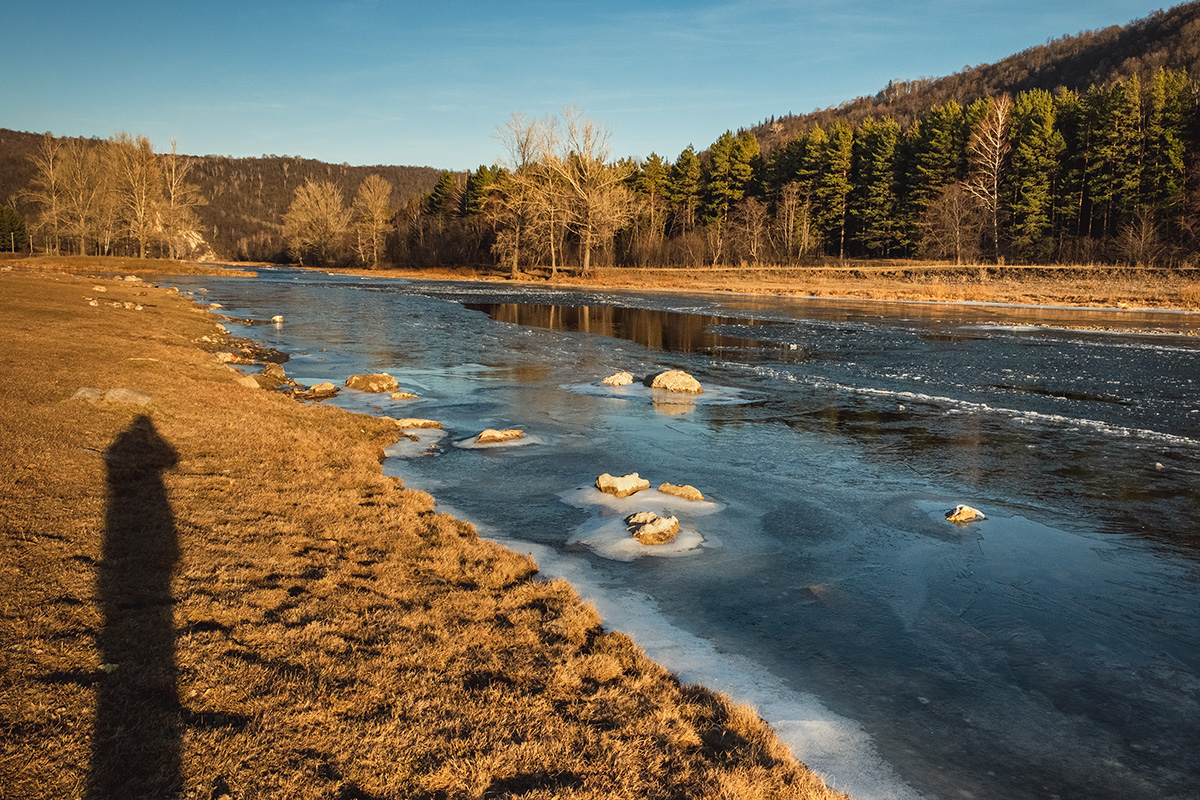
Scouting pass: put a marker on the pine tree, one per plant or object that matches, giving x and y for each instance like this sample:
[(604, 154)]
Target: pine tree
[(1037, 147), (649, 182), (683, 190), (940, 153), (12, 230), (1071, 202), (479, 183), (1171, 107), (445, 199), (729, 173), (874, 206), (832, 187), (1112, 177)]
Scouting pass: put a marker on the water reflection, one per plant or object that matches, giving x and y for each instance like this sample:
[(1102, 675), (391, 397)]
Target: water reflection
[(846, 310), (655, 329)]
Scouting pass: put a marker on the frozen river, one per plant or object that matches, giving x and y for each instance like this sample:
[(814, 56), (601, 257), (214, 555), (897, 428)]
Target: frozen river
[(1050, 650)]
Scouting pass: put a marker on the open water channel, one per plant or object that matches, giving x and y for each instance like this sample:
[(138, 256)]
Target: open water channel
[(1051, 650)]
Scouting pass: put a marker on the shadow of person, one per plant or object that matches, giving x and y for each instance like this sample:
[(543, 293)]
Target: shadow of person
[(136, 740)]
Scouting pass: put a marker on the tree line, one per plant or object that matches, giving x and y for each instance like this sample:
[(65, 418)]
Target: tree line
[(1108, 175), (113, 197)]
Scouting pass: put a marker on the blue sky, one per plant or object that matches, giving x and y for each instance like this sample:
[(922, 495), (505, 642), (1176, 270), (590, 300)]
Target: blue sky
[(427, 83)]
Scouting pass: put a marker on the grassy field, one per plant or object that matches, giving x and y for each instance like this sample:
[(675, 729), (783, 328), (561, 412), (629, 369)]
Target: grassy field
[(217, 593)]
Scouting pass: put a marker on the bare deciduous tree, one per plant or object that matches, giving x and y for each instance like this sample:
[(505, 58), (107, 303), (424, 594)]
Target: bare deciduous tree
[(316, 222), (987, 154), (522, 205), (180, 225), (597, 199), (952, 225), (88, 200), (47, 190), (748, 226), (138, 184), (372, 215)]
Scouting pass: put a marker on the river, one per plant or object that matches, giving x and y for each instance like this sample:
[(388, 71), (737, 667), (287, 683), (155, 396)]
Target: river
[(1050, 650)]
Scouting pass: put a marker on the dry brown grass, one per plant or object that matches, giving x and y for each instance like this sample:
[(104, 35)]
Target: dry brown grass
[(114, 265), (221, 594)]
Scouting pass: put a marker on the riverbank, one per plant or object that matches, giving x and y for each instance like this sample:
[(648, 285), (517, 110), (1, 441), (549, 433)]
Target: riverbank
[(1067, 286), (212, 590), (1086, 287)]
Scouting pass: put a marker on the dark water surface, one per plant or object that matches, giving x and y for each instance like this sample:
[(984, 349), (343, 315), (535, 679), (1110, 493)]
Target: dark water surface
[(1050, 650)]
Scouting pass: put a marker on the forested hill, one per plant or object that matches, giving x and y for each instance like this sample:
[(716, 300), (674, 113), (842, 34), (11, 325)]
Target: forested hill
[(246, 197), (1165, 39)]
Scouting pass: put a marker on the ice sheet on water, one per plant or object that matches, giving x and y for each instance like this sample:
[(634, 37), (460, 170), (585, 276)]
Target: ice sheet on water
[(606, 534), (416, 443), (590, 498), (836, 747), (957, 405), (470, 443), (611, 539), (712, 395)]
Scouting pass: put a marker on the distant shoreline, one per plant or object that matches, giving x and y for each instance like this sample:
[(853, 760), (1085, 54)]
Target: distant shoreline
[(1051, 287), (1096, 288)]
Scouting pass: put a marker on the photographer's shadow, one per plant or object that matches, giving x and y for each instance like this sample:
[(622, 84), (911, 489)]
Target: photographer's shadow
[(136, 740)]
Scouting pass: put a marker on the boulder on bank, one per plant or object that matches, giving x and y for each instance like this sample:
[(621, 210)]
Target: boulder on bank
[(271, 377), (650, 529), (412, 422), (620, 379), (127, 396), (622, 486), (686, 491), (674, 380), (493, 436), (963, 513), (376, 382), (318, 391)]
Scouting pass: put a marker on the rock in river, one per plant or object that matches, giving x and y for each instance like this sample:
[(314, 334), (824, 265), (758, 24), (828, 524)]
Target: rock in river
[(649, 528), (623, 486), (493, 436), (675, 380), (377, 382), (962, 513), (410, 423), (686, 491), (620, 379)]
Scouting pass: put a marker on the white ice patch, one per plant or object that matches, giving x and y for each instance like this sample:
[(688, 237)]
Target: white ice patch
[(610, 538), (606, 534), (712, 395), (471, 444), (835, 747), (417, 442)]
